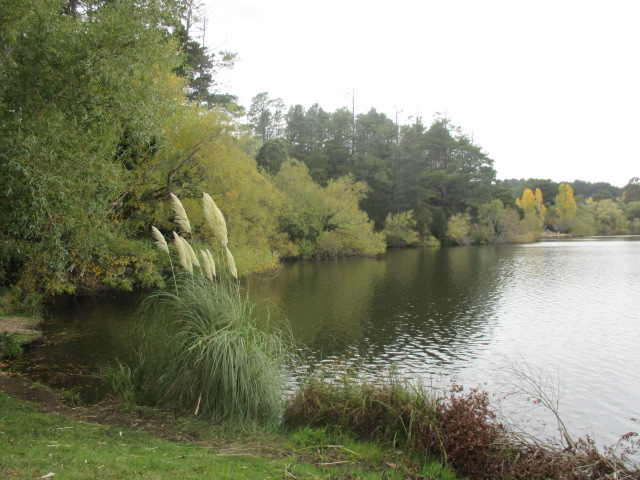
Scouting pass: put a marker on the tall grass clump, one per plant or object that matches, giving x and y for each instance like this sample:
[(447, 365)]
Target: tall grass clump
[(205, 351), (386, 408), (10, 346)]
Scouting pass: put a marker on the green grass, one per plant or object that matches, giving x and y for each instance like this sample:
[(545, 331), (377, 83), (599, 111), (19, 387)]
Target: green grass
[(33, 444)]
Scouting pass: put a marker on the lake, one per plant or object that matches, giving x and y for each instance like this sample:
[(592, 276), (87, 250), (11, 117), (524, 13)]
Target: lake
[(565, 312)]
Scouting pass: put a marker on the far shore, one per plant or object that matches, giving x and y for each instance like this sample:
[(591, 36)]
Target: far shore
[(550, 234)]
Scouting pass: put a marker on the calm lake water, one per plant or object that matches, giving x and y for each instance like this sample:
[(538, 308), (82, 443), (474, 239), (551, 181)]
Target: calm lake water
[(567, 312)]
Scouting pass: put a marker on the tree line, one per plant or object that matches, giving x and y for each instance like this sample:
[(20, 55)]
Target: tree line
[(433, 178), (108, 106)]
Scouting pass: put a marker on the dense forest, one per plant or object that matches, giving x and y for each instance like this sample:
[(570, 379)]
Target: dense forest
[(108, 106)]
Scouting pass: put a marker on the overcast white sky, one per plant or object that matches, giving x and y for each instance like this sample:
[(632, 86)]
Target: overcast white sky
[(549, 89)]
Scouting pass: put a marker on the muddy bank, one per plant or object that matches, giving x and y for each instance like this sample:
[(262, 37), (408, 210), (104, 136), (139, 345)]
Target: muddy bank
[(27, 329)]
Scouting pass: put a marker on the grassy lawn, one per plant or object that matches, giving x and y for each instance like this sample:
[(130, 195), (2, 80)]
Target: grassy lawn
[(35, 444)]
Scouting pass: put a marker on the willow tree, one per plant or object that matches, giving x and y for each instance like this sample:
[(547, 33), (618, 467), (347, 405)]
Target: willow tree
[(325, 221), (84, 94)]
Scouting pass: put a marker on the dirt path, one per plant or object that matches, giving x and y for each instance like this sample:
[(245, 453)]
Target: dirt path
[(104, 413)]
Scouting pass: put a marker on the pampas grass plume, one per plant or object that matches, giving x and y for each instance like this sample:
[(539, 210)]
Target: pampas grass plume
[(212, 264), (183, 255), (188, 255), (205, 264), (215, 219), (192, 253), (209, 265), (232, 264), (180, 214), (160, 240)]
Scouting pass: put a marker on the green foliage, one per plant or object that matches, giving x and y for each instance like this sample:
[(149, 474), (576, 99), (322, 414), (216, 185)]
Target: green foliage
[(436, 222), (597, 190), (386, 408), (459, 229), (631, 191), (325, 222), (505, 195), (122, 381), (266, 116), (406, 167), (10, 346), (399, 230), (71, 398), (632, 211), (272, 155), (200, 153), (548, 188), (608, 217), (199, 66), (80, 101), (497, 224)]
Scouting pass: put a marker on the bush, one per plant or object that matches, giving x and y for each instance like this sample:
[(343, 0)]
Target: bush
[(459, 229), (399, 230), (472, 440)]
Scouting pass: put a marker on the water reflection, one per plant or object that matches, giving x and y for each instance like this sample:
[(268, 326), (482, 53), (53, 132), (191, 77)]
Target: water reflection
[(80, 337), (421, 308)]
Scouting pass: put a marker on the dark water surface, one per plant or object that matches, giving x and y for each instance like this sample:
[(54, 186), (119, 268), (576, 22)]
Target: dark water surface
[(568, 312)]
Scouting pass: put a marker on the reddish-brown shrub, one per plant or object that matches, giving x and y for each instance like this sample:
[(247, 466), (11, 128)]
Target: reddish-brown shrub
[(472, 439)]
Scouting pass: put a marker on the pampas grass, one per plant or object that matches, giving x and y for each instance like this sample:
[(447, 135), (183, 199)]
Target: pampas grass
[(180, 214), (192, 254), (204, 350), (208, 265), (212, 264), (215, 219), (232, 263), (183, 255), (207, 354), (160, 240), (186, 254)]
